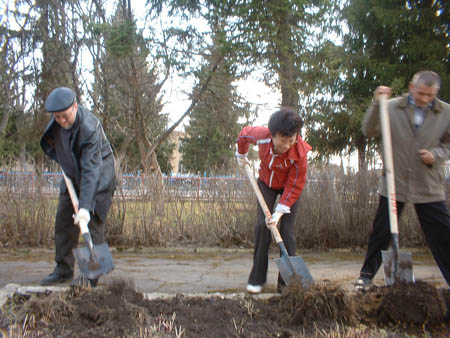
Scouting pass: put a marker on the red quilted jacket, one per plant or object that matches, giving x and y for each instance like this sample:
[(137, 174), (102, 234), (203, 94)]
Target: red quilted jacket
[(286, 171)]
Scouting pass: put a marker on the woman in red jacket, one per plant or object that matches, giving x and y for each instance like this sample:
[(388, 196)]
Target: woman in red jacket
[(282, 171)]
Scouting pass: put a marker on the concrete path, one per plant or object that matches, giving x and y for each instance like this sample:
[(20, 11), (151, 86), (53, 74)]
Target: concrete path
[(202, 270)]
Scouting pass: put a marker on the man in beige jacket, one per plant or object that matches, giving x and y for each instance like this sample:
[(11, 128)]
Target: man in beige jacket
[(420, 128)]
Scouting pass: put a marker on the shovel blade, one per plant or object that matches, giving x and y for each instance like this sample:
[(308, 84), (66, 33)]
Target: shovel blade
[(93, 268), (404, 270), (290, 266)]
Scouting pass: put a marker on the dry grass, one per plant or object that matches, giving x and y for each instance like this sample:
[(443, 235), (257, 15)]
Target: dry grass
[(26, 213), (336, 211)]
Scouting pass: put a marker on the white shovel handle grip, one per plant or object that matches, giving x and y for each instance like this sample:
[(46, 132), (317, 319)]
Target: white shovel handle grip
[(83, 227), (275, 233), (388, 163)]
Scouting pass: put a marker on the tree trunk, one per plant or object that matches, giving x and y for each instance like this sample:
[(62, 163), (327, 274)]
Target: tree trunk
[(287, 70), (149, 161), (362, 162), (4, 122)]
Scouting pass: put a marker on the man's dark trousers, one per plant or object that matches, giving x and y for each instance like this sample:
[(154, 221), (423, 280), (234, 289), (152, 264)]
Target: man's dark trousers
[(67, 234), (434, 220)]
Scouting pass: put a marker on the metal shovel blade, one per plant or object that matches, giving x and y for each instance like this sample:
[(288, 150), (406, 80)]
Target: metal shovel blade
[(404, 270), (290, 266), (94, 267)]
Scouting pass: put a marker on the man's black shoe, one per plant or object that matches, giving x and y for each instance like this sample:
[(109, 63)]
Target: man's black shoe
[(83, 281), (56, 277)]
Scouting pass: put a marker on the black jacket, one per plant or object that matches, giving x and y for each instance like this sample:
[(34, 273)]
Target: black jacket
[(93, 157)]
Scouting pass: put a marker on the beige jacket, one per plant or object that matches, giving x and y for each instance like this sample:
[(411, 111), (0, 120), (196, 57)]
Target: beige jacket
[(415, 181)]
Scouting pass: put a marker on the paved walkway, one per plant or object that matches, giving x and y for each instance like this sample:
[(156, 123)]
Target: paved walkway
[(201, 270)]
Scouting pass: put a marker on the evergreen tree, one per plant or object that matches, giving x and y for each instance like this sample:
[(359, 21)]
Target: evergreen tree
[(11, 104), (126, 94), (387, 42), (213, 126), (39, 56)]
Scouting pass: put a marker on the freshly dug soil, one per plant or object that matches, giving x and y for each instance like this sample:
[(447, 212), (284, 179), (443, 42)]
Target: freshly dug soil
[(409, 305), (318, 302), (117, 310), (414, 304)]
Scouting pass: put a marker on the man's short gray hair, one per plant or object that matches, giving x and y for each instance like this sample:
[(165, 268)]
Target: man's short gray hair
[(427, 78)]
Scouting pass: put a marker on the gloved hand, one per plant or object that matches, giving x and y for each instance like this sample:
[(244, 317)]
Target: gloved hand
[(274, 219), (242, 159), (82, 216)]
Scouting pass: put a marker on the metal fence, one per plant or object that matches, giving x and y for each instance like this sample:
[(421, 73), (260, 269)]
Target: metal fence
[(193, 187), (23, 181), (135, 186)]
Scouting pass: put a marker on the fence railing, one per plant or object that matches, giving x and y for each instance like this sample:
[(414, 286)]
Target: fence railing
[(135, 186), (185, 187)]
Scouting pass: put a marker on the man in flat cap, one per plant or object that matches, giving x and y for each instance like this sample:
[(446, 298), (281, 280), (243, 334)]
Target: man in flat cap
[(75, 139)]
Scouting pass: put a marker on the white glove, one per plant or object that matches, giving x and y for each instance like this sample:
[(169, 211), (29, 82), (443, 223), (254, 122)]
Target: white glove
[(242, 159), (273, 220), (82, 216)]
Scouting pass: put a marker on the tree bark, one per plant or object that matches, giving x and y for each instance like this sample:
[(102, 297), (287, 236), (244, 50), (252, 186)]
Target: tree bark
[(287, 70), (362, 162)]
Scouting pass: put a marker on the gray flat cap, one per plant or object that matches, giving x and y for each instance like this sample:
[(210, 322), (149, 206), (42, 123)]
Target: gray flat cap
[(59, 99)]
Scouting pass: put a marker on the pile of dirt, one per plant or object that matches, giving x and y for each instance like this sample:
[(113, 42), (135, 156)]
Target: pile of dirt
[(409, 305), (117, 310), (413, 304), (80, 312), (322, 301)]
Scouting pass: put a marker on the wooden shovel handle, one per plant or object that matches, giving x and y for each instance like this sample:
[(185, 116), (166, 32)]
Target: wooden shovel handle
[(388, 164), (75, 202), (72, 192), (275, 233)]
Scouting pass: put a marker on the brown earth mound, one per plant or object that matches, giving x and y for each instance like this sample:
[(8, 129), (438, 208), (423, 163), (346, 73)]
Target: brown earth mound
[(117, 310), (410, 306), (319, 302)]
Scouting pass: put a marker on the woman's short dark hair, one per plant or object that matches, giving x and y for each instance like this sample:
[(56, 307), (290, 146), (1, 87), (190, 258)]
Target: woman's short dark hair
[(286, 122)]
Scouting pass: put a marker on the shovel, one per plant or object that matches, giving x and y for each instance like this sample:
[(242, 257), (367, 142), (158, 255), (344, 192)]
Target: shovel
[(288, 266), (93, 261), (397, 265)]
